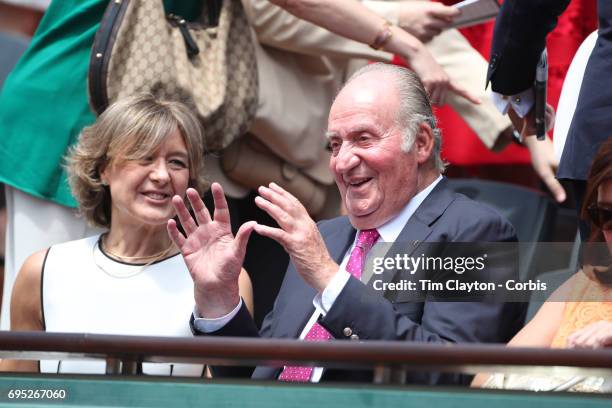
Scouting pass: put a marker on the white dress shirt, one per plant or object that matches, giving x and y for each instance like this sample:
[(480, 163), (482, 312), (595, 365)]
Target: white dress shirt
[(521, 103), (324, 301)]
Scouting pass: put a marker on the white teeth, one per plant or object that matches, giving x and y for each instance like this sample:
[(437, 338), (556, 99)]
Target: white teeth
[(156, 196), (358, 183)]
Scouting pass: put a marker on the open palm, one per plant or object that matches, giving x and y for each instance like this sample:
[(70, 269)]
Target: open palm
[(212, 254)]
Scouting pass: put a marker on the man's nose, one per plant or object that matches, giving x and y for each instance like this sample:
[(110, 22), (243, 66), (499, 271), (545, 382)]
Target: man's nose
[(346, 159)]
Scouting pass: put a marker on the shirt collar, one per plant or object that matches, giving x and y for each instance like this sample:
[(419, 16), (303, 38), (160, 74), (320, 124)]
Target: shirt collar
[(392, 228)]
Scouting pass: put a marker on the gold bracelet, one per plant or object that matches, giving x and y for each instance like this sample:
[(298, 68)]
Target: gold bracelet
[(383, 36)]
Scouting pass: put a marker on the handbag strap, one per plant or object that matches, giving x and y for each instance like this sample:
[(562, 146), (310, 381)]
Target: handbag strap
[(214, 12)]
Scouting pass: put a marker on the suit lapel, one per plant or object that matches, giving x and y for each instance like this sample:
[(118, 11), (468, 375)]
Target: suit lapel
[(337, 243), (418, 227)]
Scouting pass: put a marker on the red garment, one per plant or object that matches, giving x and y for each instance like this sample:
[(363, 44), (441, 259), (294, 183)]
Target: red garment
[(461, 146)]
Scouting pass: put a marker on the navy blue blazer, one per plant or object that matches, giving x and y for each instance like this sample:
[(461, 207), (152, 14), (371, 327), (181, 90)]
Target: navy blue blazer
[(519, 38), (444, 216)]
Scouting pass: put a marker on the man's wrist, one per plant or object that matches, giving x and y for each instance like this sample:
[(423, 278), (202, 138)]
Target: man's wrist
[(530, 140), (213, 307), (326, 298), (209, 325), (325, 276)]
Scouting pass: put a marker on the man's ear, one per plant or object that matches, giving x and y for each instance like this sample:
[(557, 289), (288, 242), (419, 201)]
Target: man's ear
[(423, 143)]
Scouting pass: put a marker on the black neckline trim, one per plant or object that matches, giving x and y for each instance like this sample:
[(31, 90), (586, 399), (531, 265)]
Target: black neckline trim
[(129, 263)]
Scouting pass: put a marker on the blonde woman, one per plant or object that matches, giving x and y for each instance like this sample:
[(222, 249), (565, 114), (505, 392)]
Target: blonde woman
[(130, 280)]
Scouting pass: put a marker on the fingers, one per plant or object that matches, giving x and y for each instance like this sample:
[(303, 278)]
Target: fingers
[(277, 213), (444, 12), (430, 88), (595, 335), (187, 222), (221, 210), (434, 96), (438, 24), (436, 88), (554, 186), (546, 171), (550, 117), (582, 338), (280, 205), (442, 96), (281, 191), (276, 234), (242, 238), (461, 91), (175, 235), (544, 163), (199, 209)]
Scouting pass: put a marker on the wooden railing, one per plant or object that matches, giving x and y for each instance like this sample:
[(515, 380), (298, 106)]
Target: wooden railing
[(388, 359)]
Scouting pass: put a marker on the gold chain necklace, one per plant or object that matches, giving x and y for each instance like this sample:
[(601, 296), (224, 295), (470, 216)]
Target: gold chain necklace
[(135, 269), (104, 247)]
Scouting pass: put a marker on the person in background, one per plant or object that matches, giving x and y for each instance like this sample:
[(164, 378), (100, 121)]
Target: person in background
[(129, 280), (519, 39), (465, 152), (579, 313)]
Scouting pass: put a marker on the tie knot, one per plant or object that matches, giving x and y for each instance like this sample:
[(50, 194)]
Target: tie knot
[(367, 238)]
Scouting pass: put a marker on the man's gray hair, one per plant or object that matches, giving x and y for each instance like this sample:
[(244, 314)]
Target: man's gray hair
[(414, 106)]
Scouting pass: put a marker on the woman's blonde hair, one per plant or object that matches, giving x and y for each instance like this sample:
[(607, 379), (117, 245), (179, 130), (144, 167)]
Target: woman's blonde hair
[(130, 129)]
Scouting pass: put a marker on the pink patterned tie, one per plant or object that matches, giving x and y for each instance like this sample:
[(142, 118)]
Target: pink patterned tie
[(365, 241)]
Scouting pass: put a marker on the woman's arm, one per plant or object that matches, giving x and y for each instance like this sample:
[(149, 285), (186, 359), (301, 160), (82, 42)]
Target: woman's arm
[(541, 330), (353, 20), (26, 313), (245, 288)]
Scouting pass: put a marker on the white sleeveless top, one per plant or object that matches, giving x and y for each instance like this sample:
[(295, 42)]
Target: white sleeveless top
[(85, 291)]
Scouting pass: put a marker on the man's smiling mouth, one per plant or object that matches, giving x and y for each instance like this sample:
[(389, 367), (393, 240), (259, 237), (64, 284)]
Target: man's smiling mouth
[(359, 182)]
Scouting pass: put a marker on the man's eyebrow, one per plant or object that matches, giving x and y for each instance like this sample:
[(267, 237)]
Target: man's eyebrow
[(355, 129), (330, 134)]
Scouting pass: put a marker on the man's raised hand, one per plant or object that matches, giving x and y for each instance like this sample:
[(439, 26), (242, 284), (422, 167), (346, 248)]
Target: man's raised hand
[(298, 234), (212, 254)]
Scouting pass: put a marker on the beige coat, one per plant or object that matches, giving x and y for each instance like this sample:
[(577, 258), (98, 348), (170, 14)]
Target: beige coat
[(302, 66)]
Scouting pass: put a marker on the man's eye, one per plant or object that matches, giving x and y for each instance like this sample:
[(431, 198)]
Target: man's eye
[(334, 147)]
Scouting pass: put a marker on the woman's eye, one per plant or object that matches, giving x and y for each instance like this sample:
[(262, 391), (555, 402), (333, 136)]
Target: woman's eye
[(178, 164)]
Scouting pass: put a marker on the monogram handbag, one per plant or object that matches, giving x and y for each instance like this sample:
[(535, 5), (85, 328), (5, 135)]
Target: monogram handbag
[(209, 65)]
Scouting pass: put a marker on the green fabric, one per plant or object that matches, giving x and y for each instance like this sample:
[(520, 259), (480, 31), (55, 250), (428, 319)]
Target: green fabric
[(165, 392), (43, 104)]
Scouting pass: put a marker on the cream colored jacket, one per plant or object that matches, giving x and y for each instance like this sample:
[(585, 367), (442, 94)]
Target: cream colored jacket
[(302, 66)]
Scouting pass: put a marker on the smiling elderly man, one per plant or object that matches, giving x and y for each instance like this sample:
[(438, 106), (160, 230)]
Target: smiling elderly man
[(387, 165)]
